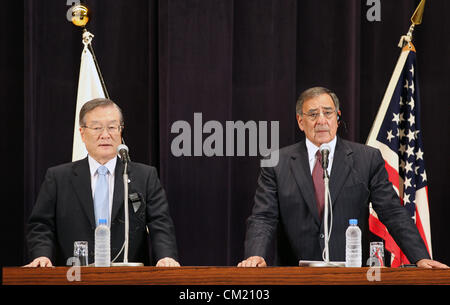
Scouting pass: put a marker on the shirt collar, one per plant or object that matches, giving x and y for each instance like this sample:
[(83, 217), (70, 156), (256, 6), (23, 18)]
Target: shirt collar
[(312, 149), (94, 165)]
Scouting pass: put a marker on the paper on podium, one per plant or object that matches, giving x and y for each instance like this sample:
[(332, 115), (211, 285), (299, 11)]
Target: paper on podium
[(302, 263)]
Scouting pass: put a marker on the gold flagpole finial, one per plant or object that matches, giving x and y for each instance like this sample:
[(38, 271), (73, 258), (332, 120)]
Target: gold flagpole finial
[(416, 19), (80, 15), (418, 13)]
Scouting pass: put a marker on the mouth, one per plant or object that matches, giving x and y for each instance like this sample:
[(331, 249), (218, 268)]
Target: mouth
[(105, 145)]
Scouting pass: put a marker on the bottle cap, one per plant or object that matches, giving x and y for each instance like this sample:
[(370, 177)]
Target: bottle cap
[(353, 221), (102, 222)]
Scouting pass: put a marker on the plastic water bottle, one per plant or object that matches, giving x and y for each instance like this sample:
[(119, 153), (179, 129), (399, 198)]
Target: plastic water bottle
[(102, 244), (353, 252)]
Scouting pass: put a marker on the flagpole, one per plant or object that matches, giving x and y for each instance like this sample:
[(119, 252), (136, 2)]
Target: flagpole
[(97, 66), (80, 18)]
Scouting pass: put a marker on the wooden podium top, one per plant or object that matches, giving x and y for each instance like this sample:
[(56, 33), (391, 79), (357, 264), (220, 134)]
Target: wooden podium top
[(223, 276)]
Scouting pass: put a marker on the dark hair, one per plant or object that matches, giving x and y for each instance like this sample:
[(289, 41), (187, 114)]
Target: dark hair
[(313, 92), (98, 102)]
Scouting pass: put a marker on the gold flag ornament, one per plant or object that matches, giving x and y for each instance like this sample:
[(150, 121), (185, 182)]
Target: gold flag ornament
[(418, 13)]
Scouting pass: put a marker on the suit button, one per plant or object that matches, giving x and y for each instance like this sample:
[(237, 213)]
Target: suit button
[(322, 236)]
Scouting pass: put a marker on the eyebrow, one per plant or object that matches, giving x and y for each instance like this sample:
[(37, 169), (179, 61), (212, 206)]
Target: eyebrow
[(316, 109), (109, 122)]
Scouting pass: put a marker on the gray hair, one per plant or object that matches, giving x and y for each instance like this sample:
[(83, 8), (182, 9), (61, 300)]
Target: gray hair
[(98, 102), (314, 92)]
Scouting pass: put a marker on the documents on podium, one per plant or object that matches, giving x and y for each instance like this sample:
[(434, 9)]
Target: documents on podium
[(303, 263)]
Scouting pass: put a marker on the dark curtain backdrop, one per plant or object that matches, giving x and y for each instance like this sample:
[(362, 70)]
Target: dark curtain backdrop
[(163, 61)]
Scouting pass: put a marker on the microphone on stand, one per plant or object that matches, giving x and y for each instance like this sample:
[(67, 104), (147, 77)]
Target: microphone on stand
[(325, 151), (122, 150)]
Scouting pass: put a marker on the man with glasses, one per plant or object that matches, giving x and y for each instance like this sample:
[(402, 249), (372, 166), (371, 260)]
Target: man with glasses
[(74, 196), (289, 201)]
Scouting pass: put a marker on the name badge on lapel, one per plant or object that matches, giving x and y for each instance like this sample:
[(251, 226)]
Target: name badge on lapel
[(135, 200)]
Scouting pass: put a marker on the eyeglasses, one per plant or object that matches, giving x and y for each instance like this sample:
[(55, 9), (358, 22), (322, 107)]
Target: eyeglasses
[(313, 116), (112, 129)]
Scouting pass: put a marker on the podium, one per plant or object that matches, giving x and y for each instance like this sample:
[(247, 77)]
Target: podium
[(224, 276)]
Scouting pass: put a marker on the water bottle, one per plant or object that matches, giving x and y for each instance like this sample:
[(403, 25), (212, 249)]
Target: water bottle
[(353, 252), (102, 244)]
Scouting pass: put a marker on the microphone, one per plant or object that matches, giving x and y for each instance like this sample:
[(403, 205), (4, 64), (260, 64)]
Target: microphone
[(122, 150), (325, 151)]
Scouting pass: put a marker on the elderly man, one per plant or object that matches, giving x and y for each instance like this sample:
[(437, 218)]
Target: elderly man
[(287, 200), (69, 203)]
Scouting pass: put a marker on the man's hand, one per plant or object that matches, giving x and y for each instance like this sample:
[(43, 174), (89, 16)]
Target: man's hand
[(40, 262), (429, 263), (253, 261), (167, 262)]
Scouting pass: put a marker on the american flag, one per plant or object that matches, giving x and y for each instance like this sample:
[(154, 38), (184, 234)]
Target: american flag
[(396, 133)]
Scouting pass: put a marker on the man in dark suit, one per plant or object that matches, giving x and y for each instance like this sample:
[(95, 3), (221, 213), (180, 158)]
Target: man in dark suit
[(286, 203), (69, 203)]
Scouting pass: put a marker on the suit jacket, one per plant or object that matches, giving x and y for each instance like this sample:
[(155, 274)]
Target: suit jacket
[(64, 213), (285, 206)]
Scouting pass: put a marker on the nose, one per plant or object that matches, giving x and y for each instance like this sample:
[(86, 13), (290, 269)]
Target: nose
[(105, 133), (321, 120)]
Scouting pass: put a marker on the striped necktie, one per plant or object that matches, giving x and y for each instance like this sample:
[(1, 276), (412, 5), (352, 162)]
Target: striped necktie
[(319, 186)]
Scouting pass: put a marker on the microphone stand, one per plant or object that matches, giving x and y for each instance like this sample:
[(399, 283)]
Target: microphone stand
[(327, 209), (326, 179), (127, 224)]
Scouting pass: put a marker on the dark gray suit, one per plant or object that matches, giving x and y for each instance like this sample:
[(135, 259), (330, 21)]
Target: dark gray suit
[(285, 205), (64, 213)]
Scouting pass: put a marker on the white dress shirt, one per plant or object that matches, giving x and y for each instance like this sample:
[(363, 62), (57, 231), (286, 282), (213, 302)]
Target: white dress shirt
[(312, 150), (111, 166)]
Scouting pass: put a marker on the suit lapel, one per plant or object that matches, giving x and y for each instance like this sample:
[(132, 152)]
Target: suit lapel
[(342, 165), (300, 169), (118, 189), (81, 182)]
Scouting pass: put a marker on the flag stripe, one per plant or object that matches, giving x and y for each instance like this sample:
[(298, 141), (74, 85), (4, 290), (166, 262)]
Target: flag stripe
[(389, 156), (423, 217), (393, 176)]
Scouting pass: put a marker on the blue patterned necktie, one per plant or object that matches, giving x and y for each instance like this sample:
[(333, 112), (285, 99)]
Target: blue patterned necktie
[(101, 195)]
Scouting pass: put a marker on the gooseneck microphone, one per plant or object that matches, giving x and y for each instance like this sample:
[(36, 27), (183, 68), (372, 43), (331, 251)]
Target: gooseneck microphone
[(325, 151), (122, 150)]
